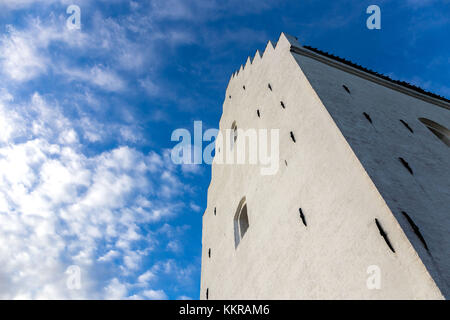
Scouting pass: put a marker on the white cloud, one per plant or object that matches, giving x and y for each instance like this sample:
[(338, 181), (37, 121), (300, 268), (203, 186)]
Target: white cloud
[(59, 207), (20, 58), (116, 290), (172, 9), (174, 246), (18, 4), (146, 277), (130, 134), (195, 207), (150, 87), (21, 4), (97, 75), (191, 169), (105, 78), (154, 294), (110, 255), (171, 268), (24, 53)]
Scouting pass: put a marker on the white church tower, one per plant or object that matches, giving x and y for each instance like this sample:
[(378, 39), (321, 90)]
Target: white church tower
[(359, 207)]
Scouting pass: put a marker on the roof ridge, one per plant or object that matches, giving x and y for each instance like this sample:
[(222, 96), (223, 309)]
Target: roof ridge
[(382, 76)]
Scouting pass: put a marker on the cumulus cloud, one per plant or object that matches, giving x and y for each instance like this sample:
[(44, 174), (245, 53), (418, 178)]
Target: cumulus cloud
[(115, 290), (26, 54), (59, 207), (75, 189), (146, 277), (154, 294)]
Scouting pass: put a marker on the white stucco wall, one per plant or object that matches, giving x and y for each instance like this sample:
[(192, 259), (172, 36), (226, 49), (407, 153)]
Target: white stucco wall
[(280, 258), (425, 195)]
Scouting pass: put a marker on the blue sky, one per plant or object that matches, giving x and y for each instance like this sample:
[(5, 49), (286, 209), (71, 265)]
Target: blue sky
[(86, 118)]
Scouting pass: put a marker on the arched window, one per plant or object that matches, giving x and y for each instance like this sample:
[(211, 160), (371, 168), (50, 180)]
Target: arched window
[(241, 223), (233, 134), (439, 130)]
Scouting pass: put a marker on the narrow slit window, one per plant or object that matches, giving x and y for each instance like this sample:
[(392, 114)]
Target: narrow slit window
[(214, 210), (406, 125), (243, 87), (415, 229), (367, 117), (293, 137), (384, 235), (346, 88), (209, 253), (302, 216), (406, 165), (282, 105), (258, 113), (207, 293), (269, 86)]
